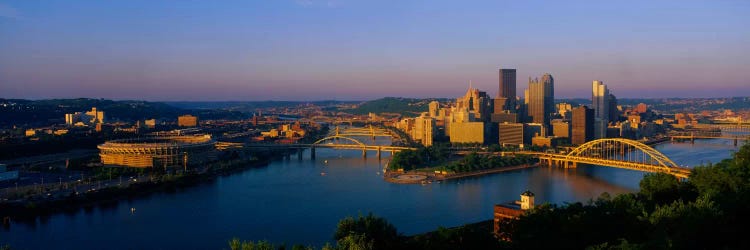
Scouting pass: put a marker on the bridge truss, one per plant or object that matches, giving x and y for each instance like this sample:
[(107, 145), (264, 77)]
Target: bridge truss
[(617, 153)]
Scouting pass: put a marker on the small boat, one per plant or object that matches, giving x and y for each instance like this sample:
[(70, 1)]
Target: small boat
[(325, 162), (322, 173), (132, 210)]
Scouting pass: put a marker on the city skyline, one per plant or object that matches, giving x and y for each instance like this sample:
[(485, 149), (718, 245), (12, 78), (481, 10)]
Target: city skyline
[(310, 50)]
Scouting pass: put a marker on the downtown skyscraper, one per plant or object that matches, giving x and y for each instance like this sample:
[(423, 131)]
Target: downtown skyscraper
[(506, 93), (507, 84), (601, 103), (582, 129), (540, 99)]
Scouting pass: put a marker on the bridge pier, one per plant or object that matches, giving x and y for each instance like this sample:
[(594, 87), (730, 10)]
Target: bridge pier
[(364, 153), (299, 153), (569, 164), (312, 153), (692, 140), (735, 142), (378, 152)]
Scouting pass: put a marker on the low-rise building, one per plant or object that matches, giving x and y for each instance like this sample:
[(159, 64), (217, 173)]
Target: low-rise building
[(187, 121), (512, 210)]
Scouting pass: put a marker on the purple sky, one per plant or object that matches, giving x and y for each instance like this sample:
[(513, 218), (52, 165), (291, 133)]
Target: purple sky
[(356, 50)]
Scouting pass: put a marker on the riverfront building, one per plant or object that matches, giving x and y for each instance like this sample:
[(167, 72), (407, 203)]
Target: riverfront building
[(424, 129), (512, 210)]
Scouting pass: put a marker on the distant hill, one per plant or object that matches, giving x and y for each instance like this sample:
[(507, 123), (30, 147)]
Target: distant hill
[(251, 106), (403, 106), (47, 112)]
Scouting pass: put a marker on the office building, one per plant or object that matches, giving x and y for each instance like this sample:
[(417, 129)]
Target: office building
[(614, 112), (434, 108), (187, 121), (507, 84), (500, 105), (564, 109), (582, 129), (540, 99), (96, 116), (468, 120), (561, 129), (424, 129), (605, 108), (510, 133), (85, 118), (600, 100), (476, 103), (548, 141), (505, 116), (531, 130)]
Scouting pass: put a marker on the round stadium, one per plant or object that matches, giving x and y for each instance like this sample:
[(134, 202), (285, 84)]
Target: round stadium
[(158, 151)]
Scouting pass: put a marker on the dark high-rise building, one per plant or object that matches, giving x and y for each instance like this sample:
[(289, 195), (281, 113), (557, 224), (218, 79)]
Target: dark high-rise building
[(614, 113), (540, 99), (583, 125), (507, 84)]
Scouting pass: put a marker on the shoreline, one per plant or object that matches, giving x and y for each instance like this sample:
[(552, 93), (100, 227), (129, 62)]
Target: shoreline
[(430, 177), (26, 211)]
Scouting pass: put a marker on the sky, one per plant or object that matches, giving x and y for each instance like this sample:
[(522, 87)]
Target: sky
[(361, 49)]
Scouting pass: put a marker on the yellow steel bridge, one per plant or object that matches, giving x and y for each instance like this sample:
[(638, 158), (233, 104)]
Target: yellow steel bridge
[(617, 153)]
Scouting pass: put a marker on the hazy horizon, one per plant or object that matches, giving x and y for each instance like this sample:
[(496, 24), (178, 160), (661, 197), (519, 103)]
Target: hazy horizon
[(364, 50), (348, 100)]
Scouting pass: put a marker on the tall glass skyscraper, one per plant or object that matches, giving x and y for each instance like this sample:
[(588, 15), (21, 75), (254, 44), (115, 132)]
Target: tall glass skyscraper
[(540, 99), (600, 99), (600, 104)]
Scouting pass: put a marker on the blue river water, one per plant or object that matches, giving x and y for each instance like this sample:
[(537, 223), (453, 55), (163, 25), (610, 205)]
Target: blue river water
[(290, 201)]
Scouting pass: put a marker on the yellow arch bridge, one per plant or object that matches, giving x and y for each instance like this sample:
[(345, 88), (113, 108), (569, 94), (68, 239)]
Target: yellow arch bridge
[(617, 153)]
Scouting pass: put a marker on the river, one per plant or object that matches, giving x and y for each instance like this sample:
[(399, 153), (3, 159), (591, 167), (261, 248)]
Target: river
[(290, 201)]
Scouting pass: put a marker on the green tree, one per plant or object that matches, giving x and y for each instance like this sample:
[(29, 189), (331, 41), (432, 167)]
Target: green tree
[(660, 188), (363, 230)]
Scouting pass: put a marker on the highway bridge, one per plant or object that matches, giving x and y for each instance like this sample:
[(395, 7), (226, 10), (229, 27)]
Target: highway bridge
[(332, 141), (710, 134)]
